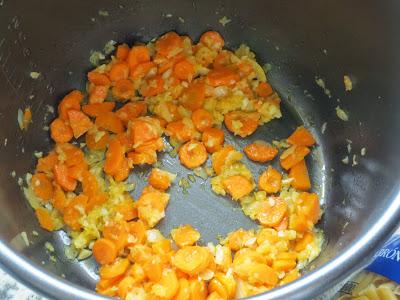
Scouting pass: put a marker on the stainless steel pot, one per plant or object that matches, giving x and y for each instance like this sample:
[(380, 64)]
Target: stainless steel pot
[(302, 40)]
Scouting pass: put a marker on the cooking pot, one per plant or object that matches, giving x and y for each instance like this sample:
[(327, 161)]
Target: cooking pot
[(308, 46)]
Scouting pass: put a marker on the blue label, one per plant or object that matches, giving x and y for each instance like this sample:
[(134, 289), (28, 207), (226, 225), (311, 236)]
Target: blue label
[(387, 260)]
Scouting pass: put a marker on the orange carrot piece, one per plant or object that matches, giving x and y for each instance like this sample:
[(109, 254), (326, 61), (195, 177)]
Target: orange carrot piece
[(60, 131), (138, 230), (169, 44), (131, 111), (144, 129), (270, 180), (98, 93), (237, 186), (104, 251), (72, 154), (117, 268), (222, 76), (301, 137), (117, 232), (160, 180), (142, 69), (60, 201), (70, 101), (45, 219), (142, 158), (193, 154), (223, 59), (192, 259), (123, 171), (165, 64), (193, 97), (293, 156), (202, 119), (114, 157), (98, 78), (137, 55), (212, 39), (77, 171), (96, 109), (110, 122), (242, 123), (260, 151), (80, 123), (74, 211), (127, 209), (42, 186), (184, 70), (123, 90), (122, 52), (46, 164), (264, 89), (151, 146), (62, 177), (219, 158), (119, 71), (213, 139), (301, 179), (153, 86), (272, 215), (308, 205)]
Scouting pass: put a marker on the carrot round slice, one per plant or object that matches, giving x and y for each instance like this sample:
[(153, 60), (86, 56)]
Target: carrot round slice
[(97, 139), (193, 154), (119, 267), (270, 180), (202, 119), (42, 186), (272, 214), (160, 179), (260, 151), (60, 131), (191, 259), (213, 139), (104, 251), (264, 89), (110, 122), (185, 235)]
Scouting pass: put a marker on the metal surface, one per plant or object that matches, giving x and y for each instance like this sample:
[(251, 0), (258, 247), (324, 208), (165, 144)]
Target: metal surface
[(301, 40)]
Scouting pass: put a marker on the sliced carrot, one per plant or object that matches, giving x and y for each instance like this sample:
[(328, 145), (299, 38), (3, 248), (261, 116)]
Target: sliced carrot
[(137, 55), (97, 139), (77, 171), (299, 223), (301, 179), (96, 109), (198, 289), (293, 156), (237, 186), (165, 64), (142, 158), (222, 76), (131, 111), (62, 177), (143, 69), (138, 231), (160, 179), (290, 276), (45, 219), (193, 154), (260, 151), (127, 209), (125, 286), (182, 130), (184, 290), (70, 101), (144, 129), (192, 259), (184, 70), (79, 122), (185, 235), (193, 97), (60, 131), (212, 39), (104, 251), (60, 201), (46, 164), (42, 186), (242, 123), (151, 146), (125, 140), (223, 59), (270, 180), (71, 154), (153, 86), (122, 52), (98, 93), (272, 214), (114, 157), (221, 157), (301, 137), (264, 89), (308, 205), (202, 119), (110, 122), (302, 244), (123, 171), (119, 71), (98, 78), (117, 232), (213, 139), (74, 211), (151, 207), (167, 111), (169, 44), (123, 90)]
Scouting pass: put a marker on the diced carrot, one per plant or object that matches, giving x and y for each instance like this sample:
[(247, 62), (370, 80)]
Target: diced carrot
[(70, 101), (301, 137), (299, 223), (308, 205), (184, 290), (125, 286), (220, 157), (283, 224), (98, 93), (184, 70), (151, 207), (153, 86), (79, 122), (96, 109), (222, 76), (293, 156), (42, 186), (137, 55), (142, 69), (168, 111), (260, 151), (98, 78), (192, 259), (160, 179), (127, 209), (123, 90), (169, 44), (71, 154), (237, 186), (110, 122), (122, 52), (290, 276), (142, 158), (264, 89), (270, 180), (185, 235), (125, 140), (138, 230), (213, 139), (151, 146), (272, 215), (198, 289), (119, 71), (46, 164), (60, 131), (104, 251), (114, 157), (45, 219), (60, 201), (223, 59), (242, 123), (165, 64), (193, 154), (77, 171), (62, 177), (131, 111), (74, 211), (144, 129), (212, 39), (123, 171), (302, 244), (182, 130), (117, 232), (193, 97), (299, 173), (202, 119)]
